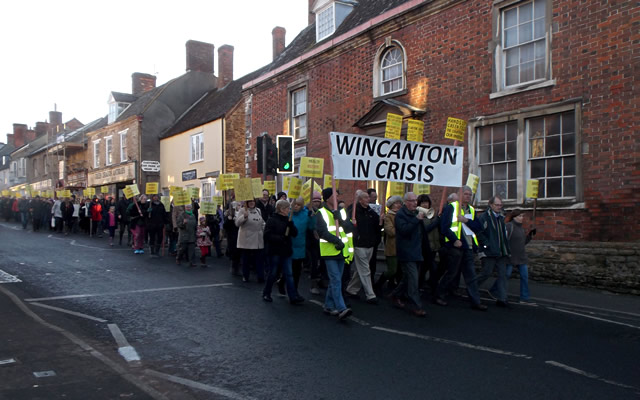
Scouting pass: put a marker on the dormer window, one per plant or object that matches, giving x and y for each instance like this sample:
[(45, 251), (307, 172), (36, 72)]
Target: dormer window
[(329, 16), (115, 109)]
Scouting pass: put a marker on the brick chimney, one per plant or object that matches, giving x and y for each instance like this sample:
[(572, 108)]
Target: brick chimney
[(312, 16), (41, 128), (278, 34), (142, 83), (199, 56), (225, 65), (10, 139), (55, 118), (19, 135)]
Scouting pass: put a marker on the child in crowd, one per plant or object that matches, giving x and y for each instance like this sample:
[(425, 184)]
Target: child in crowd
[(111, 224), (203, 240)]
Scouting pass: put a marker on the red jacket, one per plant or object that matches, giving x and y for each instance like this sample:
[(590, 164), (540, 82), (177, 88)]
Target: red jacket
[(96, 212)]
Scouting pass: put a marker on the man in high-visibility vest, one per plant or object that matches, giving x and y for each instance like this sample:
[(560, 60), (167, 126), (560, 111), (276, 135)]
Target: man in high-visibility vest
[(336, 245), (458, 224)]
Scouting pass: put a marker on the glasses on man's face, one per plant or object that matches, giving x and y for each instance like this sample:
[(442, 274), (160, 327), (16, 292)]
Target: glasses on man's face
[(497, 204)]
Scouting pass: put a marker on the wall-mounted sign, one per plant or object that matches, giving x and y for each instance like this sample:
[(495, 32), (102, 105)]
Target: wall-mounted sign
[(299, 152), (189, 175), (118, 173), (150, 166)]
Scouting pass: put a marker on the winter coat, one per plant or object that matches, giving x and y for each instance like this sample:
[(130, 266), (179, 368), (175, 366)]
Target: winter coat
[(67, 211), (137, 218), (121, 210), (390, 234), (203, 234), (518, 239), (187, 229), (493, 236), (157, 216), (367, 230), (57, 209), (303, 222), (251, 228), (96, 211), (277, 243), (409, 230)]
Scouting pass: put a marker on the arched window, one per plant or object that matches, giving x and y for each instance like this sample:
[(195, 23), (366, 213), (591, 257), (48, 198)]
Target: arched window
[(392, 69)]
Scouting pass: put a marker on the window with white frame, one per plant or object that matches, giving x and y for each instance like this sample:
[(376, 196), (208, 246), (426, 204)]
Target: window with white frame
[(35, 167), (552, 154), (522, 51), (541, 144), (197, 147), (115, 109), (392, 71), (13, 169), (123, 146), (299, 113), (96, 154), (325, 22), (22, 167), (206, 191), (108, 146)]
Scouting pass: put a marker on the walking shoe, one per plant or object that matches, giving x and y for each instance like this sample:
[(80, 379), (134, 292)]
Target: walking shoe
[(440, 302), (352, 295), (297, 300), (502, 304), (419, 313), (267, 298), (479, 307), (344, 314), (373, 300), (329, 311), (397, 303), (315, 291), (141, 251)]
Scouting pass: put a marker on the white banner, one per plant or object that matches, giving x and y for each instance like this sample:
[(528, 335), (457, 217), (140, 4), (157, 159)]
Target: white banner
[(360, 157)]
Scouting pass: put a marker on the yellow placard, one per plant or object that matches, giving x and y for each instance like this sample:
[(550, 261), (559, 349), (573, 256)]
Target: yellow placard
[(327, 182), (225, 181), (311, 167), (103, 189), (317, 187), (243, 190), (285, 183), (217, 200), (128, 192), (181, 198), (421, 188), (532, 188), (415, 130), (151, 188), (194, 192), (306, 190), (134, 189), (295, 187), (472, 182), (6, 193), (455, 129), (173, 189), (395, 189), (90, 192), (18, 195), (166, 202), (393, 127), (207, 208), (270, 186), (59, 193), (256, 187)]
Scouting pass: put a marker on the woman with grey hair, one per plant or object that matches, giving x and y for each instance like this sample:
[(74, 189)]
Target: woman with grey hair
[(250, 239), (394, 203)]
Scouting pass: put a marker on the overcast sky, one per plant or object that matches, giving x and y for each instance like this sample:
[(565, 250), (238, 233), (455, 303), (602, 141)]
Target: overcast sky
[(74, 53)]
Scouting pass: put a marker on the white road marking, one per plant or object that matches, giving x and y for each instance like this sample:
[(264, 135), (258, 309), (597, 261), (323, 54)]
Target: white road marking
[(62, 310), (73, 243), (454, 342), (586, 307), (8, 278), (588, 374), (80, 296), (592, 317), (197, 385), (124, 348), (8, 361)]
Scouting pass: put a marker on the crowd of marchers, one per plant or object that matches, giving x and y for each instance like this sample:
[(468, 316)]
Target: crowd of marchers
[(277, 240)]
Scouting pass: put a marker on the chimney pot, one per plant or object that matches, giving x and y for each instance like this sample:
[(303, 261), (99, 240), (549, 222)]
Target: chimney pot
[(278, 34), (19, 134), (199, 56), (225, 65)]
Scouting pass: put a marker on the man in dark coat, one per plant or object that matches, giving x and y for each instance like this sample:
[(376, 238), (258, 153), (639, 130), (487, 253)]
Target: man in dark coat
[(157, 218)]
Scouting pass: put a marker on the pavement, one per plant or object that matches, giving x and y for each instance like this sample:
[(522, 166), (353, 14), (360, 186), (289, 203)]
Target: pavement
[(39, 360)]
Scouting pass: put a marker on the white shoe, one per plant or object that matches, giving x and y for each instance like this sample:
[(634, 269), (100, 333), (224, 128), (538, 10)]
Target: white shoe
[(315, 291)]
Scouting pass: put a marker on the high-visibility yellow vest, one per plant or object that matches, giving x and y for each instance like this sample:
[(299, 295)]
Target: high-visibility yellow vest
[(456, 226), (328, 249)]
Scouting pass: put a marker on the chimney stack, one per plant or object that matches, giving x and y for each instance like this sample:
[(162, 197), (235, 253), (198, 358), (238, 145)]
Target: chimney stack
[(225, 65), (312, 16), (278, 34), (41, 128), (199, 56), (142, 83), (19, 135)]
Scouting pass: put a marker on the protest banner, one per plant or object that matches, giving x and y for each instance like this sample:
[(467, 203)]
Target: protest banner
[(18, 195), (194, 192), (306, 191), (285, 183), (181, 198), (217, 200), (166, 202), (6, 193), (394, 126), (207, 208), (271, 186), (90, 192), (421, 188), (103, 189), (329, 181), (295, 187), (243, 190), (532, 188), (415, 130), (455, 129), (311, 167), (225, 181), (360, 157), (173, 189), (472, 182), (128, 192), (256, 187), (151, 188), (134, 189)]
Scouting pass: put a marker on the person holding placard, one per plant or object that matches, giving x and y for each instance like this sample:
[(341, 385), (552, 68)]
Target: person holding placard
[(138, 211), (251, 239), (303, 221), (187, 225)]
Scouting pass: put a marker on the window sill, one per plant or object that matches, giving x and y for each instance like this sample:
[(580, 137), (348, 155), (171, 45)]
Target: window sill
[(520, 89), (196, 161), (391, 95)]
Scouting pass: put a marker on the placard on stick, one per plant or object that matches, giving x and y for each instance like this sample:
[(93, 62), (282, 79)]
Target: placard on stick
[(415, 130), (271, 186), (134, 189), (243, 190), (256, 187), (532, 188), (151, 188), (311, 167), (421, 188), (103, 189), (207, 208), (181, 198), (394, 126), (472, 182), (295, 187), (455, 129)]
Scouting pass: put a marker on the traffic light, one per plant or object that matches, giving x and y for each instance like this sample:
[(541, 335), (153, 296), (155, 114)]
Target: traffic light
[(271, 155), (285, 154), (260, 159)]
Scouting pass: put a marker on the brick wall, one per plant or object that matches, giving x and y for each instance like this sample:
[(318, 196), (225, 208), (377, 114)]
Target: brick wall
[(594, 50)]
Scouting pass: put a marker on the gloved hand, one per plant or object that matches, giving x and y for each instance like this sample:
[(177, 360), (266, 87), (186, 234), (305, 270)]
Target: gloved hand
[(339, 246)]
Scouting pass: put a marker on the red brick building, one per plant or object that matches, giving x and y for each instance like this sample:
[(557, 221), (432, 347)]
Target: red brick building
[(547, 87)]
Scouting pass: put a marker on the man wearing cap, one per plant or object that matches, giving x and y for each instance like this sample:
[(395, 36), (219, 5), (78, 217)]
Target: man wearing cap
[(335, 246)]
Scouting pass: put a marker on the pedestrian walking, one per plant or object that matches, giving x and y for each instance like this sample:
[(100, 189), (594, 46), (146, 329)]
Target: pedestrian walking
[(203, 240), (251, 239), (187, 225)]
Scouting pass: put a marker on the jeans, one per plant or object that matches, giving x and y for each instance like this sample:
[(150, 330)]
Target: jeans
[(408, 287), (334, 300), (24, 218), (459, 260), (488, 265), (524, 281), (280, 264)]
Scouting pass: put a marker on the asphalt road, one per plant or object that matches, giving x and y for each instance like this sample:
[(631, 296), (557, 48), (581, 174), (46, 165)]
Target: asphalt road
[(211, 334)]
